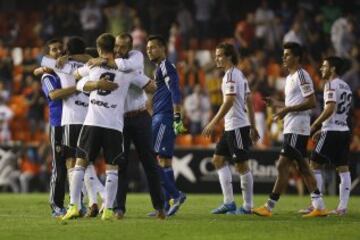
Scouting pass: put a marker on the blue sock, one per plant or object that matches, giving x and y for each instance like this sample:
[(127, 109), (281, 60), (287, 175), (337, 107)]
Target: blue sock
[(168, 182)]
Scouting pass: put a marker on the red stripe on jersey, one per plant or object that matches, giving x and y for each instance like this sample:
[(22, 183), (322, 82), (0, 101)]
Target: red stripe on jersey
[(330, 89), (230, 80)]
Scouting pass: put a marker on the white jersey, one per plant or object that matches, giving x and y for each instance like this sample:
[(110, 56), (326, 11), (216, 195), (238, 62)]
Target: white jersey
[(75, 106), (136, 98), (298, 86), (106, 108), (339, 92), (235, 83)]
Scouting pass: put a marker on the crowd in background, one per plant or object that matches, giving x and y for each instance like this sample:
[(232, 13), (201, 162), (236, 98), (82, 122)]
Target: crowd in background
[(193, 29)]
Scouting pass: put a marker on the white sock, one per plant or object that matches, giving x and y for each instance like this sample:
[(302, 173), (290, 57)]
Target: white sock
[(317, 201), (344, 189), (247, 184), (319, 179), (90, 186), (111, 186), (225, 178), (76, 185), (70, 172)]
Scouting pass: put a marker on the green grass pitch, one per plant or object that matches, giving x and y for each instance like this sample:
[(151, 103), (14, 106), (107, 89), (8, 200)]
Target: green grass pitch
[(27, 217)]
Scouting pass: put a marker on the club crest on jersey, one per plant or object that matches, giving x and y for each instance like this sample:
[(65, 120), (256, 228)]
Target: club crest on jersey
[(306, 88)]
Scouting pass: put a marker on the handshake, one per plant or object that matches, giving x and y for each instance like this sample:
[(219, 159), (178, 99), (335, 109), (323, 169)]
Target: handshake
[(178, 124)]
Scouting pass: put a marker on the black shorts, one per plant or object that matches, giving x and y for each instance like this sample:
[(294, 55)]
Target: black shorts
[(294, 146), (235, 144), (70, 138), (92, 139), (333, 148)]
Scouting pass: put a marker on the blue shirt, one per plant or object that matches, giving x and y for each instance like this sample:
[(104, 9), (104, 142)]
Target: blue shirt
[(168, 91), (51, 82)]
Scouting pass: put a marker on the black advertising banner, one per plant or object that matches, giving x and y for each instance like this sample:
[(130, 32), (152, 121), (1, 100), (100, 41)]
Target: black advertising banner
[(194, 172)]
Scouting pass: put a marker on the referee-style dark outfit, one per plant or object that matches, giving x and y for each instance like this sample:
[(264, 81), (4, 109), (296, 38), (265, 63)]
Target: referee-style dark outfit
[(137, 129)]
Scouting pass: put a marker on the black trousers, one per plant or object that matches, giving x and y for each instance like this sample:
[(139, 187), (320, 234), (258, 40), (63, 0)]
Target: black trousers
[(137, 129), (59, 172)]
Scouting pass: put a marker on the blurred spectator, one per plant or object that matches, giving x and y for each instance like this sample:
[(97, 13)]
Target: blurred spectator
[(4, 93), (330, 12), (5, 115), (186, 25), (36, 102), (119, 18), (91, 22), (264, 20), (29, 62), (294, 35), (139, 35), (244, 33), (203, 16), (197, 109), (6, 65), (342, 36), (174, 43)]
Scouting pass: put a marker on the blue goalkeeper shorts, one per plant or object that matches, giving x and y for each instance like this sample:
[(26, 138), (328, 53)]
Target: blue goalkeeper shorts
[(163, 135)]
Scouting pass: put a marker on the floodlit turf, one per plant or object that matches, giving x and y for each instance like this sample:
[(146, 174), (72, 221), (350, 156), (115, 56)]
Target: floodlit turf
[(27, 217)]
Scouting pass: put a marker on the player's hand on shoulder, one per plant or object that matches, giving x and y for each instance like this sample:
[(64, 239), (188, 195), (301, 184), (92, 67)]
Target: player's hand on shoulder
[(61, 61), (41, 70), (104, 84)]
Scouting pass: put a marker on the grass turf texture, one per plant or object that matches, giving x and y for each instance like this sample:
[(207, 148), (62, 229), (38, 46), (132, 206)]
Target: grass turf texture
[(28, 217)]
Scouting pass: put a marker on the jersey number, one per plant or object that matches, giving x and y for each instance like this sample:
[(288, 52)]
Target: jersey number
[(344, 104), (108, 76)]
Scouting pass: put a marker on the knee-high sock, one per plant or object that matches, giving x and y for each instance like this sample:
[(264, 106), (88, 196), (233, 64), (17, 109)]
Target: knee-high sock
[(168, 182), (344, 189), (319, 179), (225, 179), (70, 175), (317, 200), (76, 185), (111, 186), (247, 184), (90, 186)]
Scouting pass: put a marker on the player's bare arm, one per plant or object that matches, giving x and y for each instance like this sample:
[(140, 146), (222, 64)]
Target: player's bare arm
[(224, 109), (150, 87), (254, 134), (271, 101), (101, 84), (309, 103), (329, 109), (62, 93), (41, 70)]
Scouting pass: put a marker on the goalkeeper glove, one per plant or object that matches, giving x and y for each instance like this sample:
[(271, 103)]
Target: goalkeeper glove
[(178, 124)]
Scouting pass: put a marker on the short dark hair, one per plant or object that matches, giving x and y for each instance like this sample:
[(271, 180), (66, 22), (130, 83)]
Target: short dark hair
[(341, 65), (229, 51), (161, 41), (295, 49), (75, 45), (106, 42), (128, 36), (92, 52), (51, 41)]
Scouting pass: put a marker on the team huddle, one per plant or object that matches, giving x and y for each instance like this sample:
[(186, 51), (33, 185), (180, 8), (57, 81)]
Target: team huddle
[(98, 102)]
